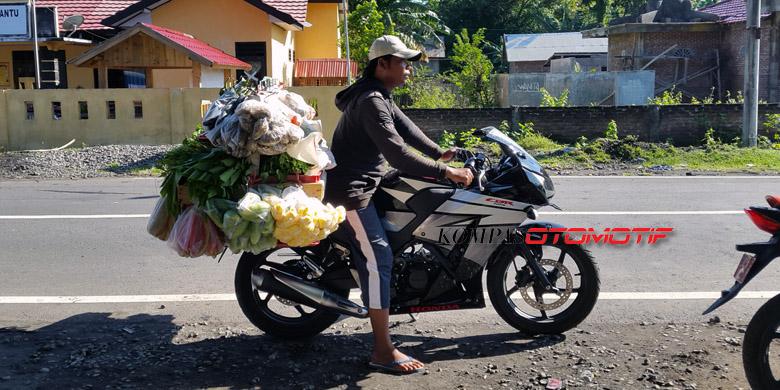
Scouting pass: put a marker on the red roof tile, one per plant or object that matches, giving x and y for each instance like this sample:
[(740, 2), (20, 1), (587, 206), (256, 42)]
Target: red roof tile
[(294, 8), (324, 67), (93, 11), (730, 11), (203, 49)]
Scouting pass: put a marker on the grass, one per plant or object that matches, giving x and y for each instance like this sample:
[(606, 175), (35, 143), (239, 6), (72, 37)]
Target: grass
[(724, 158), (146, 171), (627, 152)]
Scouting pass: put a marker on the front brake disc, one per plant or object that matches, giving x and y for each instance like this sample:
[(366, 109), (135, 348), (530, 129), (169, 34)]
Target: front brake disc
[(561, 297)]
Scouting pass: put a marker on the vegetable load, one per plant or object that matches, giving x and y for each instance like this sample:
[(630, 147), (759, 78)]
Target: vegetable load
[(248, 179)]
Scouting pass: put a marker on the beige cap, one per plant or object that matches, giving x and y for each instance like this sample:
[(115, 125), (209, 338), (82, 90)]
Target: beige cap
[(390, 44)]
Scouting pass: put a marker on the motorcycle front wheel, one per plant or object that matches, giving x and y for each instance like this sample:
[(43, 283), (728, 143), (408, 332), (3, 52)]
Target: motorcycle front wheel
[(518, 298), (762, 342), (277, 316)]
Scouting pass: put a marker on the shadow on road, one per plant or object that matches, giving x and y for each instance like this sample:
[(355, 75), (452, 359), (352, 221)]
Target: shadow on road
[(96, 350)]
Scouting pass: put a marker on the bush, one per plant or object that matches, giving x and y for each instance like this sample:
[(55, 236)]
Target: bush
[(612, 130), (463, 139), (425, 90), (549, 100), (668, 98)]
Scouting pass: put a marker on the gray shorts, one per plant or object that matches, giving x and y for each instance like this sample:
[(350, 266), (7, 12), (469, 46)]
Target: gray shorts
[(375, 260)]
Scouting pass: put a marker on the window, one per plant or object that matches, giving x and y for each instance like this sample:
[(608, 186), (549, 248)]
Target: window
[(111, 109), (138, 109), (254, 54), (83, 110), (56, 110), (30, 109)]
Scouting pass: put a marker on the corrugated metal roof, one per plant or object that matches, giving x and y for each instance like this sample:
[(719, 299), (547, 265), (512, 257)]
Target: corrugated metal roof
[(93, 11), (324, 67), (540, 47), (730, 11), (203, 49)]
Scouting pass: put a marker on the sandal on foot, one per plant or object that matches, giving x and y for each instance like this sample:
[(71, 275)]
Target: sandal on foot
[(395, 366)]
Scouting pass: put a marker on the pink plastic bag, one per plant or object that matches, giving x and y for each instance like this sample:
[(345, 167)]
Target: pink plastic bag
[(194, 235)]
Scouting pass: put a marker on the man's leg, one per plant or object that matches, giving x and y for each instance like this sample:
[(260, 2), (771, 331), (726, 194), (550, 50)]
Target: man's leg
[(374, 267), (384, 350)]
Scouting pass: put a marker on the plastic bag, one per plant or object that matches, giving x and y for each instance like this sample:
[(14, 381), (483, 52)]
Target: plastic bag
[(297, 104), (161, 221), (194, 235), (302, 220), (216, 208), (252, 208)]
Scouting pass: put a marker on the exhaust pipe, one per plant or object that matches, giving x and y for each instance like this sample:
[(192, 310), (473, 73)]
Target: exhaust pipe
[(298, 290)]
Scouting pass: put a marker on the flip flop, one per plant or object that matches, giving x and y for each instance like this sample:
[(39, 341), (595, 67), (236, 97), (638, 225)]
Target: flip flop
[(395, 367)]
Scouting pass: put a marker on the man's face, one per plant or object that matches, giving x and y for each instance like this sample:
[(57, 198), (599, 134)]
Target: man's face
[(395, 71)]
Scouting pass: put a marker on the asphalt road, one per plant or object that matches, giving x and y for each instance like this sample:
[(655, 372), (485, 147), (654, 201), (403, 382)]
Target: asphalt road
[(107, 252)]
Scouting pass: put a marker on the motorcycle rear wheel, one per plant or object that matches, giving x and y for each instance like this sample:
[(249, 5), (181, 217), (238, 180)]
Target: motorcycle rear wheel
[(520, 314), (760, 334), (273, 315)]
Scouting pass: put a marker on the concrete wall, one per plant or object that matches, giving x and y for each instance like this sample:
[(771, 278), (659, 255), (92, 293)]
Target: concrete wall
[(585, 88), (683, 124), (169, 115)]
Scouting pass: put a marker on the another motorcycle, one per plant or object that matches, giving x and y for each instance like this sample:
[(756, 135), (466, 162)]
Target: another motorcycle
[(762, 336), (439, 233)]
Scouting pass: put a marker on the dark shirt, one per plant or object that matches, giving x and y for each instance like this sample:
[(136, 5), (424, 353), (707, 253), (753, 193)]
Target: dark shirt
[(373, 130)]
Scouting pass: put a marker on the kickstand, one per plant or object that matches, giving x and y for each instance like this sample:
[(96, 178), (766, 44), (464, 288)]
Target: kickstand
[(223, 254), (414, 318)]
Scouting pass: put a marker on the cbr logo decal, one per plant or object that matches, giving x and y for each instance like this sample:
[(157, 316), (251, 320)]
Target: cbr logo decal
[(500, 202)]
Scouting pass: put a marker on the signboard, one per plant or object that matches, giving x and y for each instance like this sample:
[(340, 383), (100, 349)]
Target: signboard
[(14, 21)]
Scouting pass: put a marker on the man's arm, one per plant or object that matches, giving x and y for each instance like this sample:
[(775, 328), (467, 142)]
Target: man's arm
[(377, 120), (414, 136)]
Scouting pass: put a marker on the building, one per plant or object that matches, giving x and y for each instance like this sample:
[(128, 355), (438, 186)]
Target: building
[(174, 40), (57, 44), (534, 53), (697, 58)]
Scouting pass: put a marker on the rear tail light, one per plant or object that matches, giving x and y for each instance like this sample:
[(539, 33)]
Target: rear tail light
[(763, 222)]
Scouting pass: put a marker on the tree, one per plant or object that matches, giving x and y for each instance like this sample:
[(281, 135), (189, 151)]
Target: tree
[(366, 23), (473, 69), (414, 21)]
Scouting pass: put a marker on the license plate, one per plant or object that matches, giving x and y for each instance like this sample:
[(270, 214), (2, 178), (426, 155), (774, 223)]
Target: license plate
[(744, 267)]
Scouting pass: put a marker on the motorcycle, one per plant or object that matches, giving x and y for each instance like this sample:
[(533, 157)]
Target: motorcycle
[(764, 328), (438, 232)]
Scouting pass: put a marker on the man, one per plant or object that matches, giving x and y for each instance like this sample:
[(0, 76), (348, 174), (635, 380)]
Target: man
[(372, 131)]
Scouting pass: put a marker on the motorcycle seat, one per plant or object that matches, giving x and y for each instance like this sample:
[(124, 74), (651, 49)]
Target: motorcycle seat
[(773, 200)]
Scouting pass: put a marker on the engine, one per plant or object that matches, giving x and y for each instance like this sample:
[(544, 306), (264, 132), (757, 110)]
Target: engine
[(413, 274)]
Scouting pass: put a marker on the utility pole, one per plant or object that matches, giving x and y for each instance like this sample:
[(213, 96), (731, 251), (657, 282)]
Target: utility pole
[(346, 40), (35, 44), (752, 50)]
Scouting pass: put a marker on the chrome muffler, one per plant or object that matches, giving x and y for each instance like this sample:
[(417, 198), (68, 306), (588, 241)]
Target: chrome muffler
[(293, 288)]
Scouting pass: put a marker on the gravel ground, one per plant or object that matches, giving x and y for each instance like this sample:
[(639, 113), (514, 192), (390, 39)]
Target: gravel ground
[(151, 351), (94, 161), (123, 160)]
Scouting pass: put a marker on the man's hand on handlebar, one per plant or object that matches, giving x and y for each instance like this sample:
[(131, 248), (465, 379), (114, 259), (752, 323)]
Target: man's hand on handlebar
[(460, 175)]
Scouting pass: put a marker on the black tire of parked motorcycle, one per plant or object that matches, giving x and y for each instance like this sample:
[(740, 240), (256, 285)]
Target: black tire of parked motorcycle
[(758, 336), (312, 325), (572, 316)]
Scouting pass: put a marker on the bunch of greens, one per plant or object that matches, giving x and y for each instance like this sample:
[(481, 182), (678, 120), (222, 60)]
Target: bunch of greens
[(281, 166), (207, 173)]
